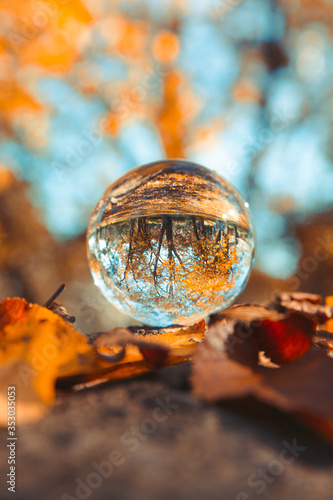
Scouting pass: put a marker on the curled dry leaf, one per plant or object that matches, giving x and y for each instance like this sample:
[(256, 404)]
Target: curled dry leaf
[(130, 354), (40, 350), (107, 345), (284, 337), (313, 298), (307, 303), (227, 363), (164, 346), (247, 313)]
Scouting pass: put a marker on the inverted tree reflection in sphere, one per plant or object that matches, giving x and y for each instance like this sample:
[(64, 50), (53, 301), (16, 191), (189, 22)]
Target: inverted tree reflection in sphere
[(170, 242)]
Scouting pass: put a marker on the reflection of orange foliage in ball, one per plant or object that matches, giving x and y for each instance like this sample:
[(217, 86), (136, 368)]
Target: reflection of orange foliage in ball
[(165, 46)]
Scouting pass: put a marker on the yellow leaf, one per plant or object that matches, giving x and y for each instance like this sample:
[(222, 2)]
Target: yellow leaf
[(38, 349), (36, 346)]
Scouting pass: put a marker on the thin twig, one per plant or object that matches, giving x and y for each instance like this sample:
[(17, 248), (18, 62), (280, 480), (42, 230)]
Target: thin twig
[(54, 296)]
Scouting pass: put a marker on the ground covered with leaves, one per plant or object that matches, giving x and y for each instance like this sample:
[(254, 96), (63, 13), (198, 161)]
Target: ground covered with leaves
[(217, 451), (236, 408)]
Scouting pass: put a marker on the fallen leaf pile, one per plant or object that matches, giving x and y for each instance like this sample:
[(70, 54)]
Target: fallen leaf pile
[(41, 350), (279, 353), (270, 353), (36, 346)]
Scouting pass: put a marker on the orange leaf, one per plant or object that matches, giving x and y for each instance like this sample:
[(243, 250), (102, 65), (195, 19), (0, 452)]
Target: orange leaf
[(37, 346), (329, 323), (11, 311), (39, 349), (162, 347)]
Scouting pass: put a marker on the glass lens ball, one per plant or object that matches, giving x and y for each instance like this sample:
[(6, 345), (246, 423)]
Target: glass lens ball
[(171, 242)]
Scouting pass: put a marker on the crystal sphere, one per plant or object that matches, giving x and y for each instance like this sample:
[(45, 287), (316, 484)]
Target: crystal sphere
[(171, 242)]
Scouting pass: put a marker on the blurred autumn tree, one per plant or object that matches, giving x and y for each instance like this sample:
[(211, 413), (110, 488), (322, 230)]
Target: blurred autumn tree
[(90, 89)]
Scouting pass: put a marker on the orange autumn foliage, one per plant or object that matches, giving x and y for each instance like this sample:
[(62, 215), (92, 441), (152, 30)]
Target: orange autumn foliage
[(128, 37), (38, 348), (51, 37), (53, 50), (13, 99), (165, 46), (170, 119), (44, 35)]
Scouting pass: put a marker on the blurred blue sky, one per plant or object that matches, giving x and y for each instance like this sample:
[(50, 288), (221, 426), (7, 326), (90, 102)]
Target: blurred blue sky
[(276, 152)]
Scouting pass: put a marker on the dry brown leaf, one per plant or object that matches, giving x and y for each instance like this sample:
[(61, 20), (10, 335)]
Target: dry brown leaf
[(112, 347), (157, 346), (223, 365), (248, 313), (40, 350), (222, 370), (283, 337), (307, 303), (329, 323), (136, 354)]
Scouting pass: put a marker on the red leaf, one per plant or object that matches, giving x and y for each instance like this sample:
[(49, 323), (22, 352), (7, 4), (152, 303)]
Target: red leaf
[(156, 357), (284, 337), (225, 364), (286, 340)]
